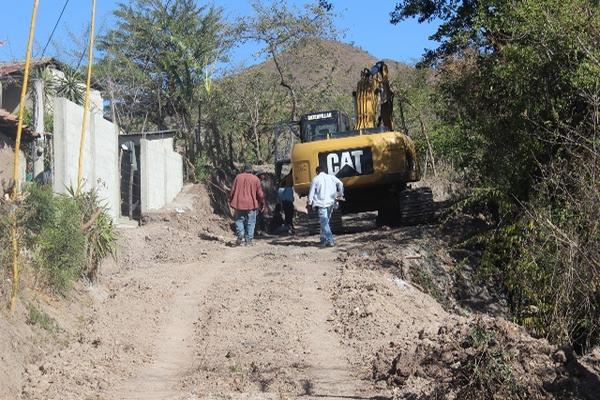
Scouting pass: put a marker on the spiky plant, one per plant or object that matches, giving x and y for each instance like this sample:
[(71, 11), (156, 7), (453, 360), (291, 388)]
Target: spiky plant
[(70, 86)]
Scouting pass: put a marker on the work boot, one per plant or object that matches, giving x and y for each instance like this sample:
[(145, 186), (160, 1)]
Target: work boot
[(238, 241), (249, 243)]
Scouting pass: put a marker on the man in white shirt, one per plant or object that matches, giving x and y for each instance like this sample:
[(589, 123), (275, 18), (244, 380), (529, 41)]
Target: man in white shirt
[(324, 191)]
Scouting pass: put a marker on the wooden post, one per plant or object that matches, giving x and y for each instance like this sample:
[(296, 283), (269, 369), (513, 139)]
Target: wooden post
[(38, 124), (130, 189)]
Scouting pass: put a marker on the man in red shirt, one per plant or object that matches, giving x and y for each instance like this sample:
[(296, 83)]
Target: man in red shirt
[(245, 198)]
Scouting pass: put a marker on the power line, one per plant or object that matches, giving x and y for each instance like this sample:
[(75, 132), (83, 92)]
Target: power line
[(54, 29)]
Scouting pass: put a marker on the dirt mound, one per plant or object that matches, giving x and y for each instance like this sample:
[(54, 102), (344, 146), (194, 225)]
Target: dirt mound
[(480, 359), (413, 254), (179, 316), (428, 339), (176, 233)]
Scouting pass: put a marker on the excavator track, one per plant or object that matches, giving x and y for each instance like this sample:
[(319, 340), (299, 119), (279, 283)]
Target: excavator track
[(408, 207), (312, 222), (416, 206)]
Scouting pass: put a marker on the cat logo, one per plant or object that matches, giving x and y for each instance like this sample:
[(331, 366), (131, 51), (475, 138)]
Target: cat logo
[(346, 163)]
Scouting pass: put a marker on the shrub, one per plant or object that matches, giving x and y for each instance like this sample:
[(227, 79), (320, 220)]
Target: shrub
[(488, 374), (202, 168), (60, 246), (98, 229), (547, 259), (66, 235), (5, 247), (37, 211)]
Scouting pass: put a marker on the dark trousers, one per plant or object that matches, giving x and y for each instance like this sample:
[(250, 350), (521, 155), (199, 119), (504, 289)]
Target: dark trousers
[(288, 212)]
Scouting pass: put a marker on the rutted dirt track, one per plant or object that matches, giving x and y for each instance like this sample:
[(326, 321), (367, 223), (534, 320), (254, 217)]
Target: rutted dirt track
[(248, 321), (183, 315)]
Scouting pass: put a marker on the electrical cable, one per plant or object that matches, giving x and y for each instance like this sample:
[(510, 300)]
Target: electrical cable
[(55, 26)]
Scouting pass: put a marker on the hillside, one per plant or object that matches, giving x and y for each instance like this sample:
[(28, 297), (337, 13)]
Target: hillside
[(325, 66)]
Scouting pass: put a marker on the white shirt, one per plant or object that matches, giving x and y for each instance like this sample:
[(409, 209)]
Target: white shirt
[(324, 189)]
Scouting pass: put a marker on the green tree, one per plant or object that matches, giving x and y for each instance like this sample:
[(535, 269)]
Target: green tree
[(509, 77), (155, 61), (258, 107), (280, 29), (520, 84)]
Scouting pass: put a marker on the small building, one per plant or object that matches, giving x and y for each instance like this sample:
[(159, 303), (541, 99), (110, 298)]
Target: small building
[(115, 164), (8, 134), (47, 78), (151, 172), (11, 79)]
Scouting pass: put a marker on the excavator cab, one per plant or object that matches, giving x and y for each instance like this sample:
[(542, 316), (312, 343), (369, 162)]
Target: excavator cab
[(312, 127), (324, 125)]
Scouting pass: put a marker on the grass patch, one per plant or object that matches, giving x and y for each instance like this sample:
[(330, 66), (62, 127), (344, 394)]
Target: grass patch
[(38, 317), (425, 281)]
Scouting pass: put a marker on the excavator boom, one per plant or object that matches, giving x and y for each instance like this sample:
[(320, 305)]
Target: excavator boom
[(374, 99)]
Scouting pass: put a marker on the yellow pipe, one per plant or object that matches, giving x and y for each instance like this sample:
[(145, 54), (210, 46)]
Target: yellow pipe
[(22, 101), (16, 188), (86, 101)]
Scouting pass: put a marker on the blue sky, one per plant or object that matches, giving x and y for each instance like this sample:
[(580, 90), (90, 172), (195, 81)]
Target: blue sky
[(361, 22)]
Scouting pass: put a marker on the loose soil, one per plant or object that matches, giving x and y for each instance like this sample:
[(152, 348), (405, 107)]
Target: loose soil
[(183, 314)]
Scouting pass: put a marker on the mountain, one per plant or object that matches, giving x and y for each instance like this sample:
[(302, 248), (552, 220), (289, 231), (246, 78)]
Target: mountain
[(326, 68)]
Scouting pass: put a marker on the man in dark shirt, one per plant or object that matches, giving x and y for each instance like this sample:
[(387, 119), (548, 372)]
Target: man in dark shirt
[(245, 198)]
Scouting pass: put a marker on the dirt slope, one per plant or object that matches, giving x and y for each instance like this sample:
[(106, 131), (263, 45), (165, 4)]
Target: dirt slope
[(183, 315)]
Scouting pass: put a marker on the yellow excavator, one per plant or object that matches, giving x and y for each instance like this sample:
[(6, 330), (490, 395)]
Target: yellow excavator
[(375, 162)]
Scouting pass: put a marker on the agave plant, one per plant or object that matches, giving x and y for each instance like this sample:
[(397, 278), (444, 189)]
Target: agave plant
[(70, 86), (98, 229)]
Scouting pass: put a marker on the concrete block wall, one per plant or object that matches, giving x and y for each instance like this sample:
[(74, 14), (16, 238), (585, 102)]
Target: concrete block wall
[(101, 158), (161, 172)]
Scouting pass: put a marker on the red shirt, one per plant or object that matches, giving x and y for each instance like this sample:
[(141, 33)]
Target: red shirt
[(246, 192)]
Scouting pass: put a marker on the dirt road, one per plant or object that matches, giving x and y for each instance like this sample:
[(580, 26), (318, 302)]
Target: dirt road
[(248, 322), (178, 316), (182, 314)]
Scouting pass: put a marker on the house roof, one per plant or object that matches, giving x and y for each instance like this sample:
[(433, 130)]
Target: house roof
[(9, 123), (19, 66), (15, 68)]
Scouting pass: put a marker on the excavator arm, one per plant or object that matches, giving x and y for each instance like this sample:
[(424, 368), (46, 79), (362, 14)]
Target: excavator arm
[(374, 99)]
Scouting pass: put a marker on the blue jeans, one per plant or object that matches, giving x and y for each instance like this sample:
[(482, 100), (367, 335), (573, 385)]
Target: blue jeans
[(245, 221), (324, 217)]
